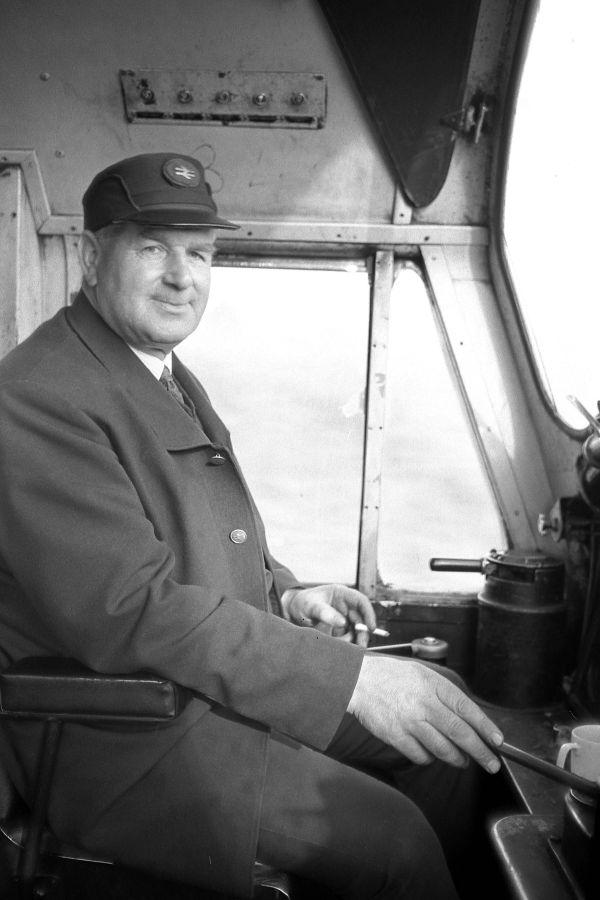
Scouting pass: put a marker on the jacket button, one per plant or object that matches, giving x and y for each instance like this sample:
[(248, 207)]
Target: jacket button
[(238, 535), (217, 460)]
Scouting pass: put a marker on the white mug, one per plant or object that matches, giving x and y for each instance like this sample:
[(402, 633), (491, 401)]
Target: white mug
[(584, 749)]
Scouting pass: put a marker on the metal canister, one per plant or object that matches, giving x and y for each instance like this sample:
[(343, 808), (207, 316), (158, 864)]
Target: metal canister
[(521, 630)]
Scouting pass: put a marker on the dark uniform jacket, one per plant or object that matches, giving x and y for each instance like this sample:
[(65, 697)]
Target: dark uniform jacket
[(115, 549)]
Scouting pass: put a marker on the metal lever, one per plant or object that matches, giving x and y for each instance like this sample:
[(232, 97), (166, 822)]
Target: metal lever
[(584, 412), (422, 648), (385, 647), (548, 769), (591, 446), (442, 564)]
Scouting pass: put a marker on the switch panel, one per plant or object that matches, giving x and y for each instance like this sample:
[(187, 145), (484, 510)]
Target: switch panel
[(267, 99)]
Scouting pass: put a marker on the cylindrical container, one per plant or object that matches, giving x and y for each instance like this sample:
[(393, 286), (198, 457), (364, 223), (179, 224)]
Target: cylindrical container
[(520, 631)]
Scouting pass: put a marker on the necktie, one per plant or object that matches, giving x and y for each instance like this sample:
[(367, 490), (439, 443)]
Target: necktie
[(168, 382)]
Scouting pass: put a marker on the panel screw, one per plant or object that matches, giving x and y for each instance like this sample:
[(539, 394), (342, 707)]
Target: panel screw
[(185, 96), (223, 97), (297, 99), (147, 95), (260, 99)]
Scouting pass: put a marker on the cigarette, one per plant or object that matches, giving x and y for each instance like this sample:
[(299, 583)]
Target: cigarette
[(378, 632)]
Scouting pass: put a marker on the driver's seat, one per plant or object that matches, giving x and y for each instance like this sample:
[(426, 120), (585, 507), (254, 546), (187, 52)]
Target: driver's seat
[(33, 862)]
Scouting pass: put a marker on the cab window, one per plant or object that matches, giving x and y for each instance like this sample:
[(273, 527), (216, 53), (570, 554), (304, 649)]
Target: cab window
[(282, 354), (551, 203), (283, 351), (436, 499)]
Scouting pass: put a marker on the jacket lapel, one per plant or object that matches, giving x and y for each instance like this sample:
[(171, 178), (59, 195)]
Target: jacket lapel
[(174, 427)]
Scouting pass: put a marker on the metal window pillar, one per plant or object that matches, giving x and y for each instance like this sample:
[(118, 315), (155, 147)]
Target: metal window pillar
[(482, 361), (381, 289)]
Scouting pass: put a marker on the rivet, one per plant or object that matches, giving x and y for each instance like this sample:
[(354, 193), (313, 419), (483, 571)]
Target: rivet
[(260, 99), (147, 95), (298, 99), (223, 97), (185, 96), (44, 76)]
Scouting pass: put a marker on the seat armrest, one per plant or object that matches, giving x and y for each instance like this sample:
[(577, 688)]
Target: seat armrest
[(41, 687)]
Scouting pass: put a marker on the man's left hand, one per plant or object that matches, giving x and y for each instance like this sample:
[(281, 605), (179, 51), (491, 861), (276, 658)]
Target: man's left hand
[(332, 608)]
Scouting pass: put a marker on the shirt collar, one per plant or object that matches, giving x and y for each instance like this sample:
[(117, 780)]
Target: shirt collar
[(153, 363)]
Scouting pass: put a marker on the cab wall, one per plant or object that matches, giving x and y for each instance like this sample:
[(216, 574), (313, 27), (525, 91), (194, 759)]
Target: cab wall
[(59, 76), (75, 118)]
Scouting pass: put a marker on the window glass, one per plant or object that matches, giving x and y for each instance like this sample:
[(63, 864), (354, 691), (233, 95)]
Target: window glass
[(552, 196), (436, 500), (282, 354)]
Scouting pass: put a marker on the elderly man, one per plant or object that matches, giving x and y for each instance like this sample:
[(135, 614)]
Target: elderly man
[(129, 541)]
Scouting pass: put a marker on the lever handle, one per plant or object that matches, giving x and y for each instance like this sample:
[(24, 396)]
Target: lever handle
[(585, 413), (443, 564), (590, 788)]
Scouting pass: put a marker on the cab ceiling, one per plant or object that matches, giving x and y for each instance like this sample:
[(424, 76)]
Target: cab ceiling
[(61, 96)]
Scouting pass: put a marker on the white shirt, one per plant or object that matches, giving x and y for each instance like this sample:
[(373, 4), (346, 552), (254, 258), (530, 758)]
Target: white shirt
[(153, 363)]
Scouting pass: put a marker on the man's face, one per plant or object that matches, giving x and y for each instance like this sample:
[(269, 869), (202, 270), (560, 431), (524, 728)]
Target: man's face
[(149, 283)]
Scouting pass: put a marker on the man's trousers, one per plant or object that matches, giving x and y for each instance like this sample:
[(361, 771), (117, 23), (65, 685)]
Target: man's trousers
[(364, 821)]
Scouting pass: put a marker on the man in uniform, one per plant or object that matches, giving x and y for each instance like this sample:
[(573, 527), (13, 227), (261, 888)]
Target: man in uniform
[(129, 541)]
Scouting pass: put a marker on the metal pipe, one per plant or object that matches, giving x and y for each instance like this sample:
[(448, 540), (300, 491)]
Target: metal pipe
[(33, 834)]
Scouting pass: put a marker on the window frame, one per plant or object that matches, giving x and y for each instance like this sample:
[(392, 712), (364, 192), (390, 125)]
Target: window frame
[(381, 266)]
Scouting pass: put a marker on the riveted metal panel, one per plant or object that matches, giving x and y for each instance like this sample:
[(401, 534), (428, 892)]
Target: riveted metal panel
[(61, 96)]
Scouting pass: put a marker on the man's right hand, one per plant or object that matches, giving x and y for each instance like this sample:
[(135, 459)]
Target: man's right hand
[(422, 714)]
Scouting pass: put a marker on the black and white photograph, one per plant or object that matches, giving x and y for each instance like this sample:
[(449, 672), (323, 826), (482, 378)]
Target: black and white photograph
[(299, 450)]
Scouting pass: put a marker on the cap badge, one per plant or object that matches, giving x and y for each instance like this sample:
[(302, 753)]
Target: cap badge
[(181, 172)]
